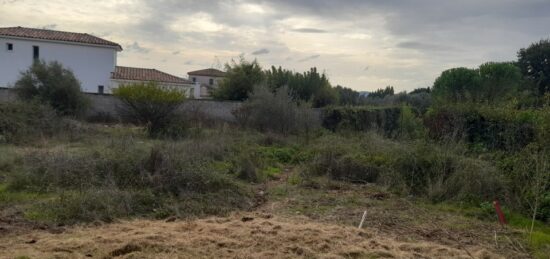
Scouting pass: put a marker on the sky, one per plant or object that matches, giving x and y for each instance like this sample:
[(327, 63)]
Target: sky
[(361, 44)]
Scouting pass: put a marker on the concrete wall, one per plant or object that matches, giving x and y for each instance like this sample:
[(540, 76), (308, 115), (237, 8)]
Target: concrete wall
[(108, 105), (91, 65)]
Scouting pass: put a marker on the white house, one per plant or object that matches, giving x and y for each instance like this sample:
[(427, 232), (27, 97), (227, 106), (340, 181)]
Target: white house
[(207, 80), (128, 75), (91, 59)]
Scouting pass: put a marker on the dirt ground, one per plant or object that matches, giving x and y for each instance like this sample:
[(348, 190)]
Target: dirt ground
[(250, 235)]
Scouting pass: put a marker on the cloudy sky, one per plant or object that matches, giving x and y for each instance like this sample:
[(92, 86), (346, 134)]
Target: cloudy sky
[(362, 44)]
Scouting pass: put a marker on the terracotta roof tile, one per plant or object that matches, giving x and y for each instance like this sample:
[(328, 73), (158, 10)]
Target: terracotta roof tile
[(146, 74), (43, 34), (207, 72)]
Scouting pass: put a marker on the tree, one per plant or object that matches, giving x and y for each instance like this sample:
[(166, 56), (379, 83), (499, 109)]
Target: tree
[(324, 96), (52, 84), (421, 90), (457, 85), (240, 80), (499, 81), (534, 63), (152, 105), (348, 96), (382, 93), (310, 86)]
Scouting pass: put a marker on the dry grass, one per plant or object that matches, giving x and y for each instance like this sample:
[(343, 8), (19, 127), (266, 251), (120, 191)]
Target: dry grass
[(238, 236)]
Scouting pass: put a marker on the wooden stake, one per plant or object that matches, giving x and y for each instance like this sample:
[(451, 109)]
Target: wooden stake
[(363, 220)]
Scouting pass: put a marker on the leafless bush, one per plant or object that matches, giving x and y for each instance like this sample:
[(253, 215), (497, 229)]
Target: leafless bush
[(276, 112)]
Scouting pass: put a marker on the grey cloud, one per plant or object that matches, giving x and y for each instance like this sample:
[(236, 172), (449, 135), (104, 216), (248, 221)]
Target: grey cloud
[(312, 57), (260, 52), (177, 52), (423, 46), (135, 47), (309, 30)]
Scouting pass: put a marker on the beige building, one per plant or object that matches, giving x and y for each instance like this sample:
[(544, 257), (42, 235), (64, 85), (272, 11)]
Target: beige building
[(129, 75), (206, 81)]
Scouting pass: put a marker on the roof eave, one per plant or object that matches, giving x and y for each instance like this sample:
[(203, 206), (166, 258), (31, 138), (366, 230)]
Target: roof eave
[(118, 48)]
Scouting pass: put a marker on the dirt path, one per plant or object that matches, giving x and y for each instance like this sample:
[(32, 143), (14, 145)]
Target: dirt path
[(249, 235)]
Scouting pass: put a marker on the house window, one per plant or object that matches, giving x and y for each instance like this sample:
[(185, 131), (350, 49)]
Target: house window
[(100, 89), (9, 46), (35, 52), (194, 79), (211, 81)]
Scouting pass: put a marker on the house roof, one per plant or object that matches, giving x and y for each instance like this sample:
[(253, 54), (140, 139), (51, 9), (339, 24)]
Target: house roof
[(207, 72), (42, 34), (146, 74)]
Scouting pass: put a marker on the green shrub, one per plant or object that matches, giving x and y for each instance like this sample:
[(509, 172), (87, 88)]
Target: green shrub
[(130, 179), (153, 105), (106, 204), (385, 120), (53, 85), (22, 122), (416, 168), (410, 126), (493, 128)]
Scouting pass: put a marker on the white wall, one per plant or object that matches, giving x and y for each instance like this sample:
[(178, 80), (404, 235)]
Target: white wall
[(91, 65), (206, 79)]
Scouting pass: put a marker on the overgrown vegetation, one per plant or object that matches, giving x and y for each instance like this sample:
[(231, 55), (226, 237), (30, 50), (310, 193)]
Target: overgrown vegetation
[(26, 121)]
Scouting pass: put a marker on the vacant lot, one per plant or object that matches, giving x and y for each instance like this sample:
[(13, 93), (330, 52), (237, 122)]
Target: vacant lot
[(108, 191)]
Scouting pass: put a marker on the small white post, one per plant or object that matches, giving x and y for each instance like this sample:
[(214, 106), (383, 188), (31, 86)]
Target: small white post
[(363, 220)]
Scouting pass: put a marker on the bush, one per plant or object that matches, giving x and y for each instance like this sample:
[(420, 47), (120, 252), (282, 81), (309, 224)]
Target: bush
[(492, 128), (54, 85), (385, 120), (529, 172), (129, 179), (276, 112), (22, 122), (410, 126), (91, 205), (418, 169), (152, 105)]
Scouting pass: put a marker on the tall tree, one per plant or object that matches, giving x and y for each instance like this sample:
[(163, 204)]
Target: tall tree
[(499, 81), (240, 79), (534, 63), (457, 85), (382, 93)]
